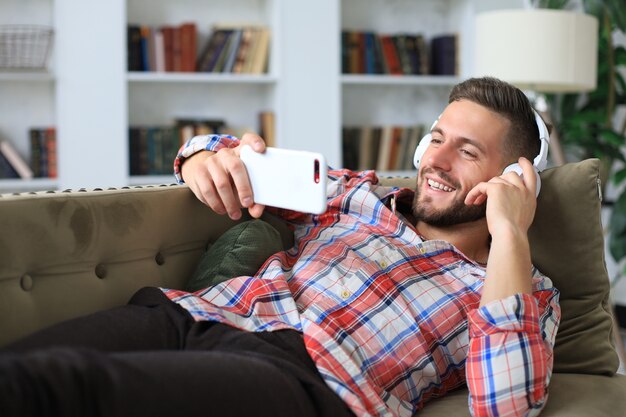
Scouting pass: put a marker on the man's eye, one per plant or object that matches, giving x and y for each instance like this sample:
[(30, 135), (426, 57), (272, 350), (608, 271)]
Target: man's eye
[(436, 141), (468, 153)]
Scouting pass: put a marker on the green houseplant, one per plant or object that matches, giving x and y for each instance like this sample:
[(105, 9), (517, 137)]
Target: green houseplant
[(586, 121)]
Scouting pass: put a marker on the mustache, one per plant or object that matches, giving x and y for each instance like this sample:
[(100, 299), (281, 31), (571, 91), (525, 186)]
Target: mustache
[(445, 177)]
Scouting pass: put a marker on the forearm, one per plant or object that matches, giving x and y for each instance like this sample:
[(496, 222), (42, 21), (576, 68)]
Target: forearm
[(509, 362), (509, 266)]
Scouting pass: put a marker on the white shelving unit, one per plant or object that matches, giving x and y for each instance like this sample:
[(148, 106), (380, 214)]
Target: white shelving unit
[(28, 97), (378, 100), (92, 100)]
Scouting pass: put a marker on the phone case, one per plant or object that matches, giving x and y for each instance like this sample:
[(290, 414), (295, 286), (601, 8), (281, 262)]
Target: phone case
[(289, 179)]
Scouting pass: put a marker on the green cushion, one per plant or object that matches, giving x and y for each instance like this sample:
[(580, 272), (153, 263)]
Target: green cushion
[(567, 244), (241, 250)]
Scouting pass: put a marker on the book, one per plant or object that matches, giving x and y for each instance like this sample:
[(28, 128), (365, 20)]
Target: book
[(133, 48), (261, 52), (244, 49), (233, 50), (268, 127), (15, 160), (391, 55), (168, 47), (350, 147), (384, 149), (443, 54), (6, 169), (188, 41)]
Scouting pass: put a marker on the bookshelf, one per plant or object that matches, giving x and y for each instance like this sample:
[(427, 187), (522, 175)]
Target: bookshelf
[(404, 100), (28, 97), (93, 100)]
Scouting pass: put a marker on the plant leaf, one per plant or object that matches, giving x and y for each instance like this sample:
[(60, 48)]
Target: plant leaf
[(619, 176), (612, 137)]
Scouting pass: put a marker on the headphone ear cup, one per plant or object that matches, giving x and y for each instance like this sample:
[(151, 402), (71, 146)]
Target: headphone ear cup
[(518, 170), (421, 149)]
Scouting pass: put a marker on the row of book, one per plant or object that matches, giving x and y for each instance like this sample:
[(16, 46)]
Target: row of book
[(382, 148), (43, 156), (229, 49), (152, 149), (366, 52), (238, 50)]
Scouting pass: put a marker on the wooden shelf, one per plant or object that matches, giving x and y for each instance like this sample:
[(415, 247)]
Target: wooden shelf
[(199, 77), (401, 80)]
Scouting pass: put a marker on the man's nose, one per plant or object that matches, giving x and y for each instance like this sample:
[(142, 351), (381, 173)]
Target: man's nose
[(440, 157)]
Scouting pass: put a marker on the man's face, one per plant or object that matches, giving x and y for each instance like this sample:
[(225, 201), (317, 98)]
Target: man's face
[(466, 149)]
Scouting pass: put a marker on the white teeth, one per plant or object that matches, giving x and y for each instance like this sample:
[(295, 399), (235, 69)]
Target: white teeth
[(435, 184)]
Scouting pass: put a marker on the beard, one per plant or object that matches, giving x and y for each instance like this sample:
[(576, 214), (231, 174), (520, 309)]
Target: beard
[(458, 212)]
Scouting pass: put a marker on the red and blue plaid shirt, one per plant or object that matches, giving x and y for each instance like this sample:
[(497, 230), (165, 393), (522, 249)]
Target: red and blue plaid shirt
[(391, 320)]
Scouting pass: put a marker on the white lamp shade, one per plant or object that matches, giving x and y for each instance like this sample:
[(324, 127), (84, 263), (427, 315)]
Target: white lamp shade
[(538, 49)]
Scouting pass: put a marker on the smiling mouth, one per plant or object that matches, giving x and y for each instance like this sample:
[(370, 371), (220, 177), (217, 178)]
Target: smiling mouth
[(438, 186)]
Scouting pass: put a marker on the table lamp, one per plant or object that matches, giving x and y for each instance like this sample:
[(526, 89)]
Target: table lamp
[(539, 51)]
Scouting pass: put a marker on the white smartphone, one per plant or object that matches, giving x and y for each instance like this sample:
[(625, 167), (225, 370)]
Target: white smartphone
[(288, 179)]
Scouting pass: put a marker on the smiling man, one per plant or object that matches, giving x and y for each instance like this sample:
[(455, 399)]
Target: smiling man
[(390, 298)]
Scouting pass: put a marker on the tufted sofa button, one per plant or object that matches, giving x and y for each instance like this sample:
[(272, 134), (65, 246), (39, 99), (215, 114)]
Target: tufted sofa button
[(26, 282), (159, 258), (101, 271)]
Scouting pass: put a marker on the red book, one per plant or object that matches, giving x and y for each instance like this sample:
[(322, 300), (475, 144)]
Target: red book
[(168, 46), (391, 55), (188, 47)]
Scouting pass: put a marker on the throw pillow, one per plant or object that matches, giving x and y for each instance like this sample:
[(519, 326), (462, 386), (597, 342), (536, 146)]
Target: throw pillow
[(241, 250)]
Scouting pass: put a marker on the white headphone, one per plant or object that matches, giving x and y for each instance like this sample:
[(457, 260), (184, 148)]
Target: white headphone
[(540, 161)]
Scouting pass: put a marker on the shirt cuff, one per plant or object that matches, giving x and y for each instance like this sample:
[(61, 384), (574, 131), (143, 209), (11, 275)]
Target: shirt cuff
[(516, 313), (201, 143)]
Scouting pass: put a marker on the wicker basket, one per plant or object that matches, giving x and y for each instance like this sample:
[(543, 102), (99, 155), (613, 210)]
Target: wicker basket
[(24, 46)]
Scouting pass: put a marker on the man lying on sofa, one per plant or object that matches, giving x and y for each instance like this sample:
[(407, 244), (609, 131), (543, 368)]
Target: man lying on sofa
[(388, 299)]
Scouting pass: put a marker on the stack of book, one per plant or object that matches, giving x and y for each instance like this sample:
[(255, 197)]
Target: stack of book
[(366, 52), (238, 50), (165, 48), (229, 49), (152, 149), (43, 156), (382, 148)]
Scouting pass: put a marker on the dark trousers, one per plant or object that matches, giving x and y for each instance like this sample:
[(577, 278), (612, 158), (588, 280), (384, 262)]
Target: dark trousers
[(150, 358)]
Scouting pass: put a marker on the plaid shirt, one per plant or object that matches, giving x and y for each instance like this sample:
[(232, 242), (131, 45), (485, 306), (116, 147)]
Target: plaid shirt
[(391, 320)]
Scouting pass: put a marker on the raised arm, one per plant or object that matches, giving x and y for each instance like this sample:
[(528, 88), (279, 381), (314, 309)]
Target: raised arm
[(512, 333)]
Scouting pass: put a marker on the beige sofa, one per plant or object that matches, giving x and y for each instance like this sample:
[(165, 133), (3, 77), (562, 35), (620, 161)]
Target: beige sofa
[(68, 253)]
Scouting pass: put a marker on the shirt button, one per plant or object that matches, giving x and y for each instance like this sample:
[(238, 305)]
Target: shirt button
[(383, 264), (345, 294), (422, 250)]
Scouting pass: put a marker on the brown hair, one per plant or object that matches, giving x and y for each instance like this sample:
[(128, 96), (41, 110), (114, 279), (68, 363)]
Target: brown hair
[(509, 101)]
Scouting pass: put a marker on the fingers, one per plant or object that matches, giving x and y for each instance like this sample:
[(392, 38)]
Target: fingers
[(255, 141), (220, 180), (530, 175), (478, 195)]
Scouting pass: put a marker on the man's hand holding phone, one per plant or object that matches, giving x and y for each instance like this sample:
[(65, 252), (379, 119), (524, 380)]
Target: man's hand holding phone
[(220, 180), (252, 176)]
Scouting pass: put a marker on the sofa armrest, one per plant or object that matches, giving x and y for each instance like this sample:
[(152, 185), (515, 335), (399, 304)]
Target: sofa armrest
[(65, 254)]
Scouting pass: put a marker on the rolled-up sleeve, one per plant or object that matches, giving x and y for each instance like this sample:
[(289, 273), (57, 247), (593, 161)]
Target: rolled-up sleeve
[(201, 143), (510, 358)]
